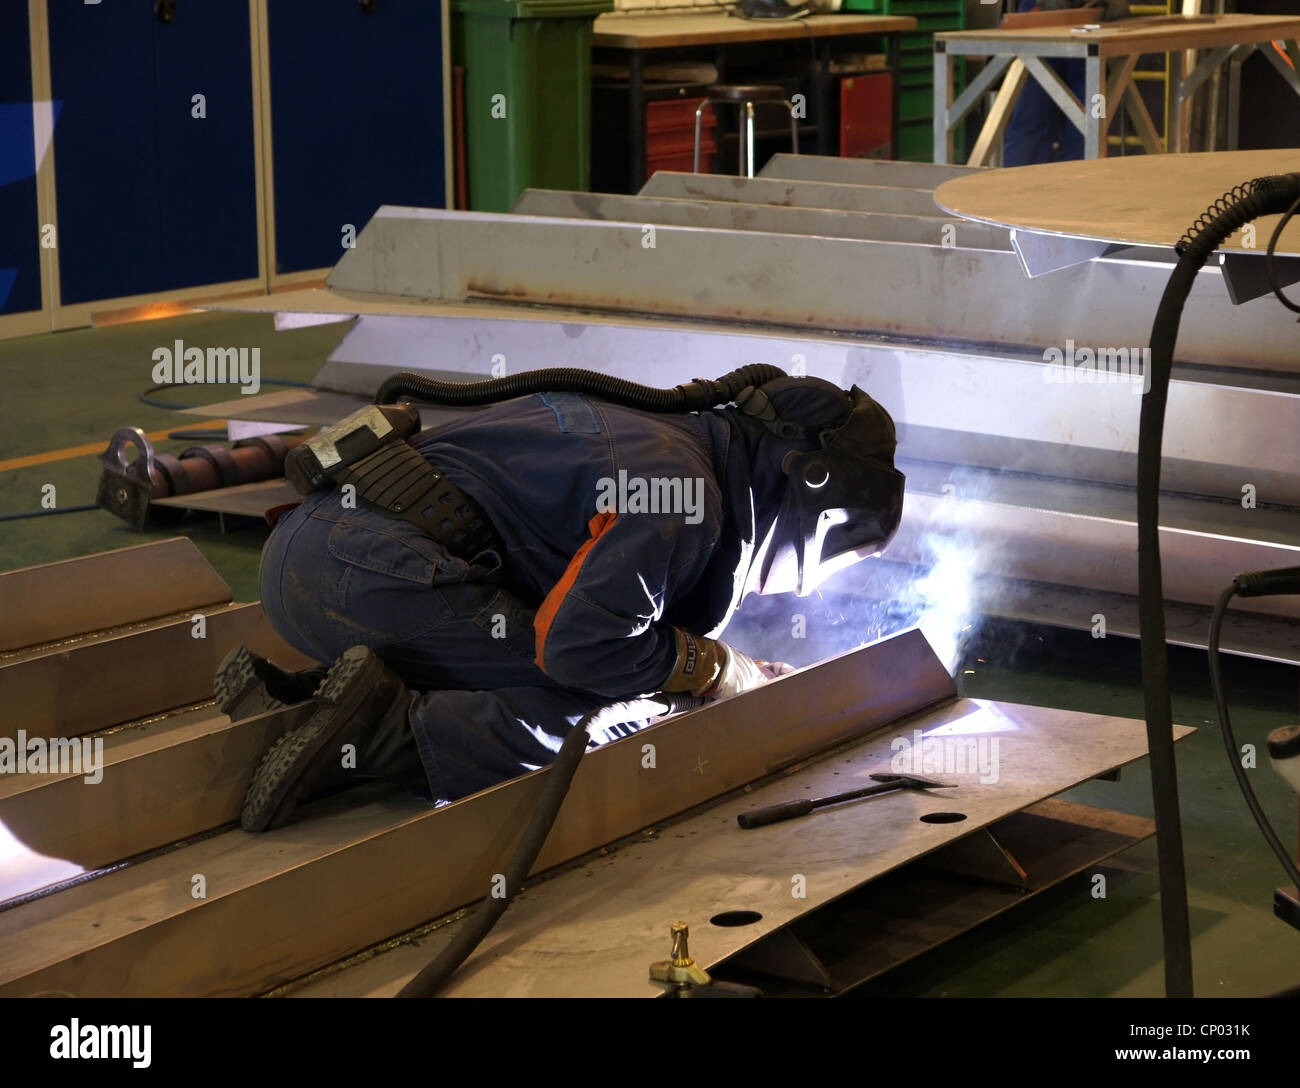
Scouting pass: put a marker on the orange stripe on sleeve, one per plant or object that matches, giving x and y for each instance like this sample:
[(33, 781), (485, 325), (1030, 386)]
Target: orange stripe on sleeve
[(597, 527)]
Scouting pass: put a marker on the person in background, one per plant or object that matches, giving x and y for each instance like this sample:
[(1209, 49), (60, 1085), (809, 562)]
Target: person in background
[(1038, 131)]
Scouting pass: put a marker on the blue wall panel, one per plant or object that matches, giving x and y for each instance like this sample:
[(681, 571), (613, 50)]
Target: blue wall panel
[(150, 198), (20, 256), (356, 116), (207, 172)]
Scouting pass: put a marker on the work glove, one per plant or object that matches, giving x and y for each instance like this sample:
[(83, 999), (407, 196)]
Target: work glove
[(714, 670)]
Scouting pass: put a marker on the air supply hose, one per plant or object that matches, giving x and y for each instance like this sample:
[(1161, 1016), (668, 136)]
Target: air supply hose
[(554, 789), (695, 396), (1263, 196)]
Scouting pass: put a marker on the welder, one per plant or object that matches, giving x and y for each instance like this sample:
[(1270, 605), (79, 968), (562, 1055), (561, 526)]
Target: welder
[(457, 651)]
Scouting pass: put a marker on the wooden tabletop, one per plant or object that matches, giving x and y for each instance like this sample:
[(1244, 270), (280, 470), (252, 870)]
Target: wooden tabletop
[(1135, 199), (619, 31), (1154, 34)]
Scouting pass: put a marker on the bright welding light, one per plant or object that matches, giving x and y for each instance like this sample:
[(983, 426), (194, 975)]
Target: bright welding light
[(983, 719), (942, 600)]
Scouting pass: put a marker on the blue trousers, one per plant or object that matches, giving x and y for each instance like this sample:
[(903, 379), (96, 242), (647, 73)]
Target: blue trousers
[(1038, 131), (332, 578)]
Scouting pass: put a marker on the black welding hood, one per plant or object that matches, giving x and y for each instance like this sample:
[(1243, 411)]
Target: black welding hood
[(833, 452)]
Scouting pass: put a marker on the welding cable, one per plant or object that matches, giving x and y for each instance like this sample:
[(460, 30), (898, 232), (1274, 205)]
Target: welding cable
[(555, 788), (694, 396), (1262, 196), (1246, 585), (145, 397), (48, 513), (1268, 257)]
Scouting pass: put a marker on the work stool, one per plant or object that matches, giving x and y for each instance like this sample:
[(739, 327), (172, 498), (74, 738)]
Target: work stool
[(745, 96)]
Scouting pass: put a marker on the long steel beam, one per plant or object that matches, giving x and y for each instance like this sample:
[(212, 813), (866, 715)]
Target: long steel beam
[(279, 904), (99, 680), (595, 929), (717, 215), (57, 600), (925, 292), (916, 175), (881, 199), (164, 780)]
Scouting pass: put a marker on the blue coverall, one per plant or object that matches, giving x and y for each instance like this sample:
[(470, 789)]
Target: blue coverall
[(507, 652), (1038, 131)]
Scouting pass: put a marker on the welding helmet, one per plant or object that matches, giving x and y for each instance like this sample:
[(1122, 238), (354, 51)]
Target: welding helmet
[(843, 498)]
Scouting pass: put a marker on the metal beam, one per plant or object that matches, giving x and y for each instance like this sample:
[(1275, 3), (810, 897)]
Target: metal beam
[(282, 903), (915, 175), (58, 600), (118, 676), (718, 215), (594, 929), (165, 780), (880, 199), (816, 284)]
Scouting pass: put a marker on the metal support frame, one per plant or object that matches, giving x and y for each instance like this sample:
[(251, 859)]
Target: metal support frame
[(1117, 84)]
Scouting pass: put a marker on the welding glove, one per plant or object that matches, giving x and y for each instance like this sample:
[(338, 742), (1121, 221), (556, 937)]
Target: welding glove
[(714, 670)]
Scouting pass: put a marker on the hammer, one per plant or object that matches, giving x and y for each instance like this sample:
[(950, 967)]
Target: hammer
[(788, 810)]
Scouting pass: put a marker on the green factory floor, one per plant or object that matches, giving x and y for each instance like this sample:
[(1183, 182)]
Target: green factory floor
[(74, 389)]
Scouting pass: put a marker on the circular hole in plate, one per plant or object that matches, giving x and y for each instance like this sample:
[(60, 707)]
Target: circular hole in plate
[(943, 817), (736, 918)]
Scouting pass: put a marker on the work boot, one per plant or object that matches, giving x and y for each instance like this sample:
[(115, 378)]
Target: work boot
[(361, 702), (247, 684)]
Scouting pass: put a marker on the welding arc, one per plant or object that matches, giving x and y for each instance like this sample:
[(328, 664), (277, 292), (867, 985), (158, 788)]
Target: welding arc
[(555, 788), (1263, 196), (694, 396)]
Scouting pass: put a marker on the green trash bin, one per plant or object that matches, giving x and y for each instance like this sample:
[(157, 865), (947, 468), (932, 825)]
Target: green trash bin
[(527, 95)]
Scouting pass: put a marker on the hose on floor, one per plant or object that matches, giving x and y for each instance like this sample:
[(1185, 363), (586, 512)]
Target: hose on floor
[(555, 788)]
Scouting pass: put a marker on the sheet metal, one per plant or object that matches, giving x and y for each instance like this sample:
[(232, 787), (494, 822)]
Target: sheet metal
[(140, 931), (881, 199), (717, 215), (162, 780), (58, 600), (90, 683), (826, 168), (927, 292), (595, 929)]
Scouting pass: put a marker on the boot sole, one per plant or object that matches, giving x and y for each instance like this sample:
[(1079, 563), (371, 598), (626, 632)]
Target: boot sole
[(239, 689), (273, 795)]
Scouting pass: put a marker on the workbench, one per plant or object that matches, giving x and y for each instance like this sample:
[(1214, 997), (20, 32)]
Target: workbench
[(634, 39), (1110, 53)]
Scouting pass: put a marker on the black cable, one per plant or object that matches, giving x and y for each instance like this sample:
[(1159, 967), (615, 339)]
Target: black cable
[(694, 396), (1263, 196), (1230, 741), (1268, 258), (144, 397), (48, 513), (554, 789)]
